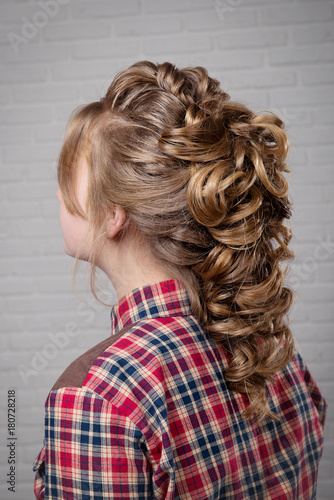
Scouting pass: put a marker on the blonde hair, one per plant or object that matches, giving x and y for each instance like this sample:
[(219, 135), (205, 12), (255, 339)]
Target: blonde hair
[(201, 178)]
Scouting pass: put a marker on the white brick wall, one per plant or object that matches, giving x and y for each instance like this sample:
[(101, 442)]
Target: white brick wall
[(271, 54)]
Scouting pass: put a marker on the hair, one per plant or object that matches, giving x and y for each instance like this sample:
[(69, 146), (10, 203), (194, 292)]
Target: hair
[(201, 178)]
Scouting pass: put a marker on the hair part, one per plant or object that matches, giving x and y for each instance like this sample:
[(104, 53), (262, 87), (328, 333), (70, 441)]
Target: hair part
[(201, 178)]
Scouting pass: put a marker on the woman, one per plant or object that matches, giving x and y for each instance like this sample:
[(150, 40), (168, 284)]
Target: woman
[(178, 194)]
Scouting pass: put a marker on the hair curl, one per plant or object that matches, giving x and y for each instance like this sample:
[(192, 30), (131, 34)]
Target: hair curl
[(201, 177)]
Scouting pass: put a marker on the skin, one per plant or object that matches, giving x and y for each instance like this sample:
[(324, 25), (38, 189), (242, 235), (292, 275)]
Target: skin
[(74, 228), (127, 261)]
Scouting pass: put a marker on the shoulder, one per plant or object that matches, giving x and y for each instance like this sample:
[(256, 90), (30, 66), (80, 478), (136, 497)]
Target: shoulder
[(133, 348), (135, 371), (147, 339), (155, 338), (76, 372)]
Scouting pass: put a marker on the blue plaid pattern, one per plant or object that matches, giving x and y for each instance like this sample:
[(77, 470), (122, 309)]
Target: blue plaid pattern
[(155, 418)]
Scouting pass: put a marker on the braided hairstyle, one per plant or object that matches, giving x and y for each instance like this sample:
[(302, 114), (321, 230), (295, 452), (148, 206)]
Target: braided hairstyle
[(201, 177)]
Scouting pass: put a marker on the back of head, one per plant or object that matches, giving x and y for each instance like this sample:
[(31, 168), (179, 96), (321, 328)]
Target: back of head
[(201, 177)]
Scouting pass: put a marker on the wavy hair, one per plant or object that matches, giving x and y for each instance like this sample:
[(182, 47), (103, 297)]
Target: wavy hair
[(201, 177)]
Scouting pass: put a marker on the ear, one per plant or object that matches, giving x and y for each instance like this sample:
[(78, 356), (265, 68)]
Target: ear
[(116, 221)]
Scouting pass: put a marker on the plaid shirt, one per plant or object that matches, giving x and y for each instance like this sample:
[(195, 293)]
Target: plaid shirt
[(154, 418)]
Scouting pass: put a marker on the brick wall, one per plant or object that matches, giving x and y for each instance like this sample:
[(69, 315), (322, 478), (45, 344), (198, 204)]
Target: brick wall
[(56, 54)]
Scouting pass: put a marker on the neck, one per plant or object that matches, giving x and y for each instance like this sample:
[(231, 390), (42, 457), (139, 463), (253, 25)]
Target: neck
[(129, 264)]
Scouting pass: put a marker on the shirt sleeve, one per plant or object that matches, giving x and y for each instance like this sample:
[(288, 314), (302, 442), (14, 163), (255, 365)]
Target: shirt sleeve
[(39, 485), (92, 451)]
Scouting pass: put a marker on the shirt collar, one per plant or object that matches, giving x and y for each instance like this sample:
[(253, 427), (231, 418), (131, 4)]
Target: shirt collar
[(167, 298)]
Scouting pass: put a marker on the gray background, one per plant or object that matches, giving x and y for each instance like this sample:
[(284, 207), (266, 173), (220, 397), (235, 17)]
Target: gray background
[(55, 54)]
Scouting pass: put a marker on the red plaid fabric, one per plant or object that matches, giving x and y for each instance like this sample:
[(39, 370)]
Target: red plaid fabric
[(154, 418)]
